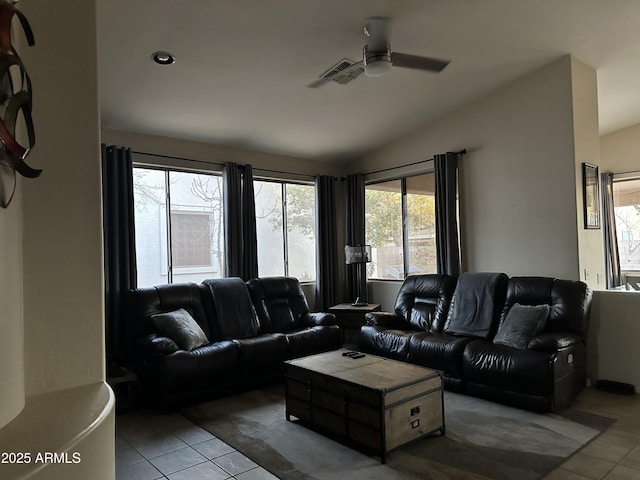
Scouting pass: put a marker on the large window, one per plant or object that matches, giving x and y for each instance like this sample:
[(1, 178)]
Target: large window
[(285, 224), (179, 226), (626, 200), (400, 227)]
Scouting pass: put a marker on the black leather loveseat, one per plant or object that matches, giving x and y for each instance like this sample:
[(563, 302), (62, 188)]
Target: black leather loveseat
[(519, 341), (245, 333)]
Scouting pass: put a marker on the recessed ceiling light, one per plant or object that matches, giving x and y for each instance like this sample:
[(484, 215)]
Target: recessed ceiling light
[(163, 58)]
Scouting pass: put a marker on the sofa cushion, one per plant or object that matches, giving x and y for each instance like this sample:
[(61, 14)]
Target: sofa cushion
[(262, 359), (143, 302), (529, 372), (423, 300), (280, 303), (209, 367), (385, 342), (313, 340), (438, 351), (569, 301), (236, 317), (476, 305), (522, 323), (180, 327)]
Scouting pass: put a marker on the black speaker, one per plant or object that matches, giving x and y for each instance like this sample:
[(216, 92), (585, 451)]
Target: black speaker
[(615, 387)]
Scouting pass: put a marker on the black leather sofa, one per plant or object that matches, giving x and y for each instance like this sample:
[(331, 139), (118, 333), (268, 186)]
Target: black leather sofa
[(250, 330), (463, 327)]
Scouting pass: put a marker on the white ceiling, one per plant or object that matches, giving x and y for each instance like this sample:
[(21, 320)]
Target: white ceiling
[(243, 65)]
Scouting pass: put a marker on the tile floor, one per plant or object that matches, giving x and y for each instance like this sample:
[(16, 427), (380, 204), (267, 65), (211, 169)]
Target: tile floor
[(152, 446), (613, 455)]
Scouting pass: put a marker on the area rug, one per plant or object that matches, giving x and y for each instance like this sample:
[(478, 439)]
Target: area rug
[(484, 440)]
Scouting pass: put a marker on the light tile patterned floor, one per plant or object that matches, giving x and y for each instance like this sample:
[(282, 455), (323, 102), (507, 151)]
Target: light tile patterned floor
[(615, 454), (152, 446)]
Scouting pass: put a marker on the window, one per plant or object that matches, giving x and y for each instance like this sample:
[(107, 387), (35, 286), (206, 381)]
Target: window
[(285, 224), (400, 227), (179, 226), (626, 201), (190, 239)]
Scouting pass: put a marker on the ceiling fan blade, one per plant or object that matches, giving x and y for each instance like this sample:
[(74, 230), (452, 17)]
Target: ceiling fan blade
[(378, 32), (420, 63), (319, 82)]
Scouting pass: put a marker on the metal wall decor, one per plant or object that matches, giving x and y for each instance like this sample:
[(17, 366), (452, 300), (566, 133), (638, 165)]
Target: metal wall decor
[(15, 105)]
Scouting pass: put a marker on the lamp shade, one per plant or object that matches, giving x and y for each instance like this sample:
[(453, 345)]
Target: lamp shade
[(357, 254)]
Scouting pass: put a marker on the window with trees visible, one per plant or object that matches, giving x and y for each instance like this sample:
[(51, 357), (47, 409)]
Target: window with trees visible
[(400, 227), (626, 201), (179, 226), (285, 225)]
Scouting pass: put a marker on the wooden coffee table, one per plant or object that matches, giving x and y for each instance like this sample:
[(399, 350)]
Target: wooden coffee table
[(373, 402)]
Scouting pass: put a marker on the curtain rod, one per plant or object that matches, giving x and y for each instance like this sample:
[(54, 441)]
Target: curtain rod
[(207, 162), (177, 158), (461, 152), (285, 173), (628, 172)]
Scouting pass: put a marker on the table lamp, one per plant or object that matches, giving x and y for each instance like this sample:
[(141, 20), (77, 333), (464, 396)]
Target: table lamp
[(358, 255)]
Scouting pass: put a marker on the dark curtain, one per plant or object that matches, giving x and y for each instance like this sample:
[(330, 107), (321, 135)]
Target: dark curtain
[(249, 235), (355, 234), (611, 254), (119, 247), (327, 244), (446, 182), (232, 199), (241, 257)]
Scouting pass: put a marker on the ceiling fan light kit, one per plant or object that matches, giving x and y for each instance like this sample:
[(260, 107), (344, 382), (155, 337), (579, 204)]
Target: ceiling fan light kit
[(376, 64)]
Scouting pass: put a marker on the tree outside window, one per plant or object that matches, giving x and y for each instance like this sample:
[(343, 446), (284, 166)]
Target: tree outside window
[(626, 200), (400, 227), (285, 224)]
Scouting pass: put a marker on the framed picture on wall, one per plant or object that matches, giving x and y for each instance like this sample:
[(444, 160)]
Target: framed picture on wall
[(591, 196)]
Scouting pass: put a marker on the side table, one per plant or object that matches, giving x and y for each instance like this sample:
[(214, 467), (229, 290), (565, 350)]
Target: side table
[(351, 318)]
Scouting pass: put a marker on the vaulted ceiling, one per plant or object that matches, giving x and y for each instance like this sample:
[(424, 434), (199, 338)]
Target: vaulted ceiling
[(242, 66)]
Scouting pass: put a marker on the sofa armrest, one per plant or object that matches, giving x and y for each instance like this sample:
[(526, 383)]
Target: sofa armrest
[(386, 319), (554, 341), (317, 319), (154, 344)]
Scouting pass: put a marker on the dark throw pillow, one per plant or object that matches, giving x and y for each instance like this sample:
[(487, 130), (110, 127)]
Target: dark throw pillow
[(522, 323), (180, 327)]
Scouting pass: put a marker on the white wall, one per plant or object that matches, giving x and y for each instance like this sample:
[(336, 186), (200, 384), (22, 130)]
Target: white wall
[(586, 149), (215, 153), (619, 151), (517, 183), (12, 392), (613, 351), (63, 295), (614, 338), (51, 244), (383, 292)]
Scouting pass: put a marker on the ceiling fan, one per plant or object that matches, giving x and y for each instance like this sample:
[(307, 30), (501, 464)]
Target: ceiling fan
[(377, 58)]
